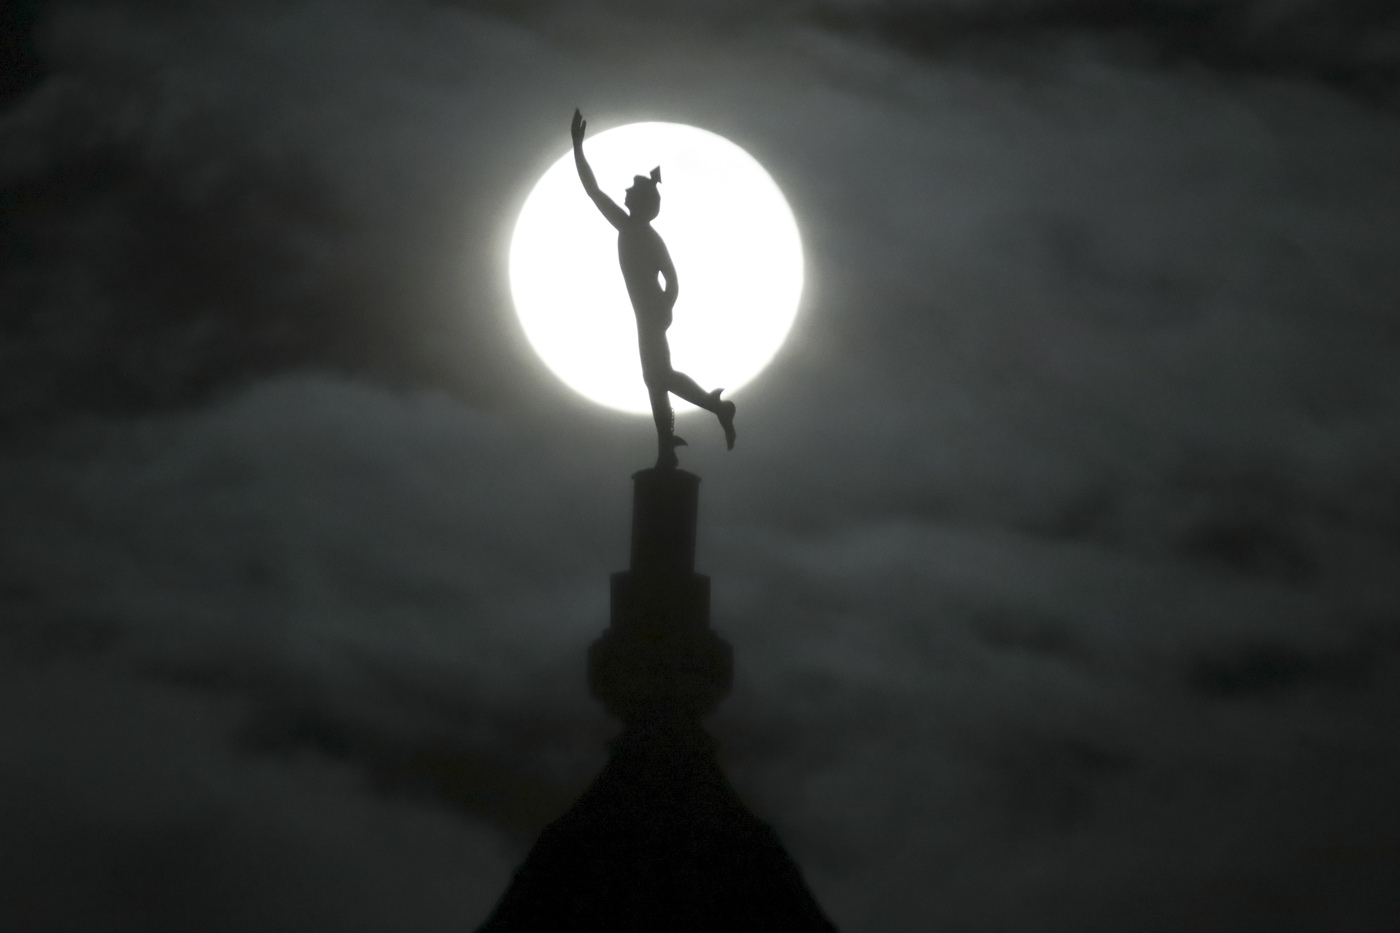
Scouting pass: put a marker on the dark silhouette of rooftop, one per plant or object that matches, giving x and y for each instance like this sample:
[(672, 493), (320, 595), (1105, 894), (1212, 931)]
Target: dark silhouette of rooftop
[(660, 841)]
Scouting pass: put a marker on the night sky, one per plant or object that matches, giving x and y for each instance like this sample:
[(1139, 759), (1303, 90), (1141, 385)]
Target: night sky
[(1058, 549)]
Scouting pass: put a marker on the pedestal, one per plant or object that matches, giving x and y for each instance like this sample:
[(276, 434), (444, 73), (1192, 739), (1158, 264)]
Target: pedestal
[(659, 658)]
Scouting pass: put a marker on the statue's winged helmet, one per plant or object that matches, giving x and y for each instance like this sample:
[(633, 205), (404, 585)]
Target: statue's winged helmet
[(646, 199)]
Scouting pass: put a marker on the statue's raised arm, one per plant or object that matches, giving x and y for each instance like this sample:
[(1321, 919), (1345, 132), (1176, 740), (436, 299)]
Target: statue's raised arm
[(615, 215)]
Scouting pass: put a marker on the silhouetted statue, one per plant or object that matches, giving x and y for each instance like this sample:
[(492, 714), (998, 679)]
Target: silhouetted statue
[(643, 255)]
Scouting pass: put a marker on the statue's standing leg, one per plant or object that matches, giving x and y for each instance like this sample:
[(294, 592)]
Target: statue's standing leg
[(656, 372), (665, 418)]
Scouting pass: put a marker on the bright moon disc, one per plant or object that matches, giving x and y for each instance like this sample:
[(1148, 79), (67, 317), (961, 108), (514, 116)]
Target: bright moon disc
[(730, 233)]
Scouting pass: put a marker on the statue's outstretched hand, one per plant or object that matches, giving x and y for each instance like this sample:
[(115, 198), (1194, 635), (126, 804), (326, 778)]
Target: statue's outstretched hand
[(615, 215)]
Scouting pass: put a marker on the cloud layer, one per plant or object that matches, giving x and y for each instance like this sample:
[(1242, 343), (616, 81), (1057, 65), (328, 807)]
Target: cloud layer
[(1056, 549)]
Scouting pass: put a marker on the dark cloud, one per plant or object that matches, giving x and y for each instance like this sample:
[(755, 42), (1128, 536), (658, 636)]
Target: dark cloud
[(155, 170), (20, 65), (1350, 45), (125, 810), (1279, 670)]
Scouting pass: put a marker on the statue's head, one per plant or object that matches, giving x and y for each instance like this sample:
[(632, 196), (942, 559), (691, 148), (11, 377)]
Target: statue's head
[(643, 200)]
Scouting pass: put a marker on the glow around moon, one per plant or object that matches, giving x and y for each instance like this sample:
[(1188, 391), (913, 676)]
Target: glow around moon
[(731, 235)]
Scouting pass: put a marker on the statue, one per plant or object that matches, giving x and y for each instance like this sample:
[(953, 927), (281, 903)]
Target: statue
[(643, 256)]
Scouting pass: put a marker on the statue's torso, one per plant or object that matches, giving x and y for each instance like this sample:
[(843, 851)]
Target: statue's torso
[(640, 250)]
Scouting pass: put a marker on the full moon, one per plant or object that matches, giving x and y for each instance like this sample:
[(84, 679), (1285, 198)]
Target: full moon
[(731, 235)]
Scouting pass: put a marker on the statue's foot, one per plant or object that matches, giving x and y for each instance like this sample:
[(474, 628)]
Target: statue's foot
[(666, 458), (725, 412)]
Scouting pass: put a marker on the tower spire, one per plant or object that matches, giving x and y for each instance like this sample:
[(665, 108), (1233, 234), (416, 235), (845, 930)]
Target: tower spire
[(660, 840)]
